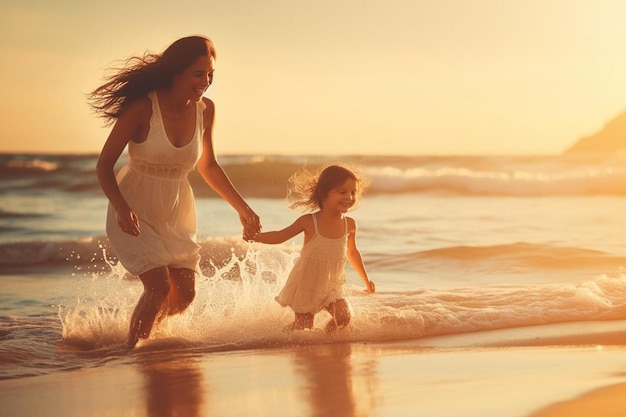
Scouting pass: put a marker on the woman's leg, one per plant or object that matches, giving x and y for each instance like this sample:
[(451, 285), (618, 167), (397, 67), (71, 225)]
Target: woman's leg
[(155, 290), (340, 312), (182, 290)]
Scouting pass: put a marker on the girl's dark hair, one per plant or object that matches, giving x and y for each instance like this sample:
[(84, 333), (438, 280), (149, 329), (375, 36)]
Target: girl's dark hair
[(308, 191), (140, 75)]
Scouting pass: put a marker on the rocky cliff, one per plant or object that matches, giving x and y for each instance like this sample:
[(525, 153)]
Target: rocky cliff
[(611, 138)]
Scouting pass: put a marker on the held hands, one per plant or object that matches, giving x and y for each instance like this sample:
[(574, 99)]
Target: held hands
[(251, 224), (249, 234), (128, 221), (370, 287)]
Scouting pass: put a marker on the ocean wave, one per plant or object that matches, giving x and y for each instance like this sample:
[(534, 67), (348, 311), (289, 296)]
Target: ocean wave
[(463, 181), (95, 254), (32, 165), (235, 309), (432, 312), (15, 215), (86, 251), (505, 258), (266, 176), (523, 253)]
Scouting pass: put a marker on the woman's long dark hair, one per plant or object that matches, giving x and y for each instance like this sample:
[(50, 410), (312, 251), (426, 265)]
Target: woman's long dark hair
[(140, 75)]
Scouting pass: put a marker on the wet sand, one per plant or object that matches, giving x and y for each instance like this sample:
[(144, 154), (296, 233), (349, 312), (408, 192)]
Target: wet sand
[(550, 371)]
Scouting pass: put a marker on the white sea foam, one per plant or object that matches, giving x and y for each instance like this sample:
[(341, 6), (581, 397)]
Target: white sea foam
[(236, 310)]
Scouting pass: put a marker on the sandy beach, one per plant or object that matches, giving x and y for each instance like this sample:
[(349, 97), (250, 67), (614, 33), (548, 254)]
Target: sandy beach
[(543, 371)]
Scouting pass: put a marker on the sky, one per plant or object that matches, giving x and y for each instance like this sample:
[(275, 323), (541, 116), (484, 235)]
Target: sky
[(331, 77)]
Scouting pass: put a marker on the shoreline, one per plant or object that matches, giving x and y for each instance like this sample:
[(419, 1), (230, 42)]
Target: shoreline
[(581, 333), (545, 373)]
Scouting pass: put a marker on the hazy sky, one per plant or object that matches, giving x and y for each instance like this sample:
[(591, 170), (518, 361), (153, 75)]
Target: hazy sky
[(331, 76)]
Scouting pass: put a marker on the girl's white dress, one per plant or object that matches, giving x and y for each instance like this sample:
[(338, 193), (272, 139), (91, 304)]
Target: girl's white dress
[(156, 187), (318, 276)]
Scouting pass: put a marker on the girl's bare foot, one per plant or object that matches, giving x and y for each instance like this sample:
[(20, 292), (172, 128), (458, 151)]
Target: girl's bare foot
[(331, 326), (303, 321), (297, 326)]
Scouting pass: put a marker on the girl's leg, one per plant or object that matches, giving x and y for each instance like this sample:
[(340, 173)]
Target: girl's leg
[(155, 289), (301, 322), (182, 290), (340, 312)]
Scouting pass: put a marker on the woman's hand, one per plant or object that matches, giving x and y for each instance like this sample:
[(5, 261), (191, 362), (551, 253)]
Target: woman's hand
[(128, 221), (249, 235), (250, 222), (371, 288)]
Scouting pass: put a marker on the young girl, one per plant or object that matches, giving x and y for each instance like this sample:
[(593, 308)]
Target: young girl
[(316, 281), (157, 107)]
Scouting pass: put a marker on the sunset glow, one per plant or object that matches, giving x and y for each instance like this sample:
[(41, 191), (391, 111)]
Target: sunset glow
[(332, 77)]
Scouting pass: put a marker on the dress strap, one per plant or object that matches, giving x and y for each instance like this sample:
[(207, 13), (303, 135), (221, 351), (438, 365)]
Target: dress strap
[(345, 226), (156, 110), (313, 215), (200, 106)]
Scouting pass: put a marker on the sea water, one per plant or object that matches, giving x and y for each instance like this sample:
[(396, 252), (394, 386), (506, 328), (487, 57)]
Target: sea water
[(454, 244)]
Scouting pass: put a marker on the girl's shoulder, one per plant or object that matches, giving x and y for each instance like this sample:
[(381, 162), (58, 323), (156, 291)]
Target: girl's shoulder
[(351, 224), (305, 219), (306, 222)]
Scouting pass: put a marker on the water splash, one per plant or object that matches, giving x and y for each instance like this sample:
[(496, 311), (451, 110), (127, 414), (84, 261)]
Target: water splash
[(235, 308)]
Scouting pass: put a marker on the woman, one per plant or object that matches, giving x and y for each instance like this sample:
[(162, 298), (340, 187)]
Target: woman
[(157, 108)]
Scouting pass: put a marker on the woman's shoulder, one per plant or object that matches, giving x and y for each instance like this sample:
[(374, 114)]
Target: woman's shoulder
[(208, 110), (208, 104), (140, 107)]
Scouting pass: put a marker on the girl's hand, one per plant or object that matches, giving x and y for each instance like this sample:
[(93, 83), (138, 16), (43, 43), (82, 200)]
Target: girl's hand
[(128, 221), (371, 288)]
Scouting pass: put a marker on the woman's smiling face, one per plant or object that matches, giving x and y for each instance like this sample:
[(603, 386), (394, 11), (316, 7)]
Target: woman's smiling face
[(195, 80)]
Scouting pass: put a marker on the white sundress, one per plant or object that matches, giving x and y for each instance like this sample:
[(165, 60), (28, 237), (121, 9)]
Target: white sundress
[(318, 276), (156, 187)]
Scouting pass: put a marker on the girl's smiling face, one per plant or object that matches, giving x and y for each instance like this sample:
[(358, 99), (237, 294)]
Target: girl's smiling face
[(343, 197)]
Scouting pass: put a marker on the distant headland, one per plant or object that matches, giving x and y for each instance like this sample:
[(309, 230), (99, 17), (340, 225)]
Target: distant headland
[(610, 139)]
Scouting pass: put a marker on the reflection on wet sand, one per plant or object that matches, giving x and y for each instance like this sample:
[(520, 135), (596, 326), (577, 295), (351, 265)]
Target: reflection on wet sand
[(331, 384), (308, 380), (173, 388)]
